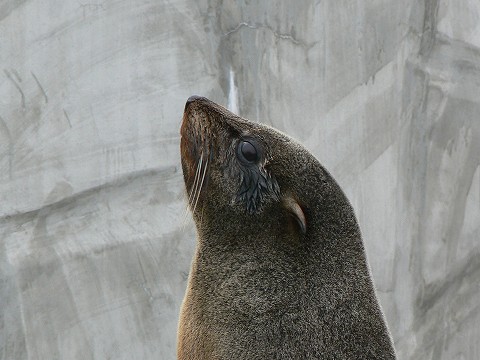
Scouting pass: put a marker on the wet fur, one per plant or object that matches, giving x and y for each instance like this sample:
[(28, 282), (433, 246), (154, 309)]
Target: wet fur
[(259, 287)]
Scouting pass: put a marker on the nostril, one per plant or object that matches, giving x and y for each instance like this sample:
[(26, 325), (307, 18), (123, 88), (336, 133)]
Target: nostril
[(192, 99)]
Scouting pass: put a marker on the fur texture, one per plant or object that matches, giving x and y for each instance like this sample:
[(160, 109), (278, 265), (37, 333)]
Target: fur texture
[(271, 280)]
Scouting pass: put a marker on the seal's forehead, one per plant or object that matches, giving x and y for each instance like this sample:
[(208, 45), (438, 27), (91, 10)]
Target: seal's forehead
[(217, 121), (271, 135)]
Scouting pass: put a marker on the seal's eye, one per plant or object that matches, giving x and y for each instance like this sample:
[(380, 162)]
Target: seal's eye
[(248, 151)]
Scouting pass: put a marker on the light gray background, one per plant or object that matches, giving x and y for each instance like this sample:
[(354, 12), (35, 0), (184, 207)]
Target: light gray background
[(94, 255)]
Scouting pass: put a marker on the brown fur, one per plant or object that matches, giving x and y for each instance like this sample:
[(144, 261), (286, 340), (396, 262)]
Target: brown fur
[(261, 286)]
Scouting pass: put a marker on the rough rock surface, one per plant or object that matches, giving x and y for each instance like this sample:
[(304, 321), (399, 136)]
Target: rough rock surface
[(94, 251)]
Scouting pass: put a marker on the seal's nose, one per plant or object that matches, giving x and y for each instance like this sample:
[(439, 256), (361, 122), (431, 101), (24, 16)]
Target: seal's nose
[(192, 99)]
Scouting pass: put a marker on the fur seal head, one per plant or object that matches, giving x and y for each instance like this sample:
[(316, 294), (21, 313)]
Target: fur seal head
[(240, 170)]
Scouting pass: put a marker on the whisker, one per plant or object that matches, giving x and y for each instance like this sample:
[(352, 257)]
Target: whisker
[(198, 187), (201, 184), (195, 181), (192, 191)]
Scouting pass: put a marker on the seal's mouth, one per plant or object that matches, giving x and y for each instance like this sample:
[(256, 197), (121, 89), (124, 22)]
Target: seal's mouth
[(195, 148), (194, 135)]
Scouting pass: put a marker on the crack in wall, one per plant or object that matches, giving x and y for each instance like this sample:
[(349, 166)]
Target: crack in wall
[(17, 86), (67, 117), (41, 87), (277, 34)]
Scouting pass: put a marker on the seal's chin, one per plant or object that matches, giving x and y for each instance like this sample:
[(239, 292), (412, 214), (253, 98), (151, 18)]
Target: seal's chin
[(187, 149), (195, 152)]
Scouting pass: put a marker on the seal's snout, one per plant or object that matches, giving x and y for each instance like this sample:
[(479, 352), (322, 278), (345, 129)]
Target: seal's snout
[(192, 99)]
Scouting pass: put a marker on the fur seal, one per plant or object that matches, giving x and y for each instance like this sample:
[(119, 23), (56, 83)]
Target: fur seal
[(280, 270)]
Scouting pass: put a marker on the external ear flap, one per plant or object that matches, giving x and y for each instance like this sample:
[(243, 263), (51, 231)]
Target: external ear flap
[(296, 212)]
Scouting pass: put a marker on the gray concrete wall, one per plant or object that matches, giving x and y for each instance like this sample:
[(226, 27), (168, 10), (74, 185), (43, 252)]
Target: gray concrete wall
[(94, 254)]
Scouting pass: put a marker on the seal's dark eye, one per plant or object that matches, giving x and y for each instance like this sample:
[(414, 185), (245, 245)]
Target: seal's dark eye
[(248, 151)]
